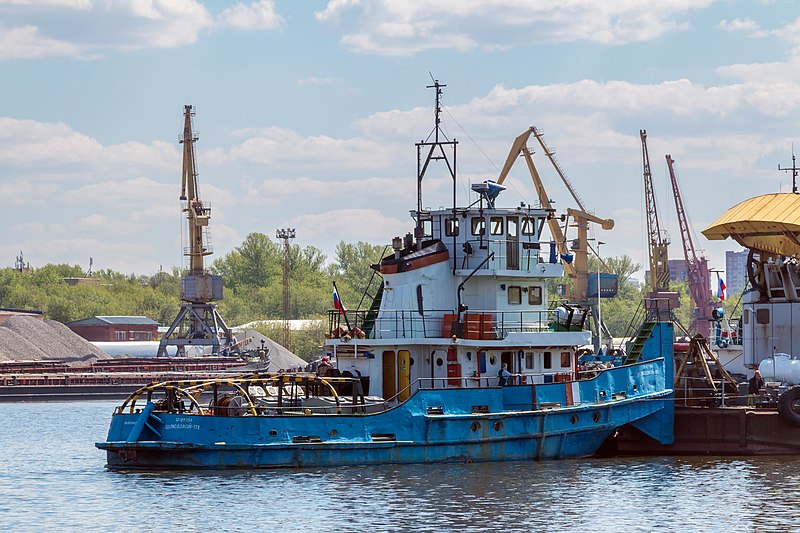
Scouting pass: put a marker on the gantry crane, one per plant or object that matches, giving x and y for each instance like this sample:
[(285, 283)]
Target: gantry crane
[(198, 321), (577, 271), (696, 267)]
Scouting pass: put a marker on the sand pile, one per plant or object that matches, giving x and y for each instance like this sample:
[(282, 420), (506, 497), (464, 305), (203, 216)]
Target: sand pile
[(28, 338)]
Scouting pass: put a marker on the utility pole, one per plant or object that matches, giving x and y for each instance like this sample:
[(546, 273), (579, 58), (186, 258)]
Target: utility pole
[(286, 235)]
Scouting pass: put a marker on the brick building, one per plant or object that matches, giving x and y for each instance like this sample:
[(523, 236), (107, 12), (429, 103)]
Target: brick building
[(116, 328)]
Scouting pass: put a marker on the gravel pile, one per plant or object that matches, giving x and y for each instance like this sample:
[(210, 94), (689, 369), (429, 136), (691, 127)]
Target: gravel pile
[(28, 338), (15, 347), (75, 342)]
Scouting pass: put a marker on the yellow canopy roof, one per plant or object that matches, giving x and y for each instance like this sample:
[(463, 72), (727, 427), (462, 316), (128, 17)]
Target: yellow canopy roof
[(767, 223)]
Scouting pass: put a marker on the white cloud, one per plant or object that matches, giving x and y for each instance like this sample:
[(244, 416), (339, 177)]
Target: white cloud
[(89, 30), (313, 80), (277, 145), (36, 145), (26, 42), (746, 25), (406, 28), (259, 15), (370, 225)]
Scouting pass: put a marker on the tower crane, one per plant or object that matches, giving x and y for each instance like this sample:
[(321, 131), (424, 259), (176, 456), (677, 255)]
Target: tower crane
[(198, 321), (696, 267)]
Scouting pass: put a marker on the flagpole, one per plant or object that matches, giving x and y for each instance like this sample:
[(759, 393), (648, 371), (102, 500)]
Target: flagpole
[(342, 308)]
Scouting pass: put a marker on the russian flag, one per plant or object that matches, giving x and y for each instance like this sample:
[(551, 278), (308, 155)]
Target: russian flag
[(337, 303), (721, 289)]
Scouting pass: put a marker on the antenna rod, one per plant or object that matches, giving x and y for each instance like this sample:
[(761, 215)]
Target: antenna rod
[(794, 170)]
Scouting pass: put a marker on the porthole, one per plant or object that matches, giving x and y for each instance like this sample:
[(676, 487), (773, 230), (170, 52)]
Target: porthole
[(498, 425), (411, 361), (596, 416), (574, 419), (272, 433), (475, 426), (492, 359), (333, 432), (439, 361)]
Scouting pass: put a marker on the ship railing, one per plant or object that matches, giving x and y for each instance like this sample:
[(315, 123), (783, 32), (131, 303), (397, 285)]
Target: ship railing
[(695, 391), (247, 395), (484, 324)]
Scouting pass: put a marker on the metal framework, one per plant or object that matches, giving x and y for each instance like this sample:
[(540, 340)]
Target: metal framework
[(198, 321), (696, 267), (657, 239)]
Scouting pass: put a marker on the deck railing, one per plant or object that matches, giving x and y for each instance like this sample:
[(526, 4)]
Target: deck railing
[(475, 324)]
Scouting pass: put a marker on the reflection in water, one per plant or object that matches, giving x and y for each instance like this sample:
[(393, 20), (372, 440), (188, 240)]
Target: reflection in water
[(53, 478)]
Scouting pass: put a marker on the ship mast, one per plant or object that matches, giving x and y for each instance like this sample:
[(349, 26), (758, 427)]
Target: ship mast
[(435, 152)]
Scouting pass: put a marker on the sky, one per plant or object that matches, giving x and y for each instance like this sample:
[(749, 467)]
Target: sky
[(307, 113)]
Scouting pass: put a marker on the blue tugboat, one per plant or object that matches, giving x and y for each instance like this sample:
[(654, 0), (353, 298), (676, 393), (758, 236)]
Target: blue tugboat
[(458, 358)]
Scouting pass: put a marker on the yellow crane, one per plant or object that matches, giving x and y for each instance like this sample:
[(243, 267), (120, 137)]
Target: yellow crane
[(577, 271)]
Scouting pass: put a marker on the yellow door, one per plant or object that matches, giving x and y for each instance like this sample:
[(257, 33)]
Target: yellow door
[(389, 375), (404, 374)]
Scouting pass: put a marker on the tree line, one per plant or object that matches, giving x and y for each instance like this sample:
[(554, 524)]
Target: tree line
[(253, 283)]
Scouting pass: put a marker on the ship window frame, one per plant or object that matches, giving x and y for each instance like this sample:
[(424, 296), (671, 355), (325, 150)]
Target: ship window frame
[(566, 360), (525, 223), (478, 225), (529, 360), (547, 360), (535, 290), (451, 227), (512, 227), (514, 295), (496, 225)]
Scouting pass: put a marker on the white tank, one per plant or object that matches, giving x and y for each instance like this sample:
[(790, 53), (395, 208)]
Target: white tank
[(781, 367)]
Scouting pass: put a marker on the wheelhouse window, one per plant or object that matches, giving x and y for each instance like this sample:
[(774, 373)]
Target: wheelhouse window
[(528, 226), (478, 225), (451, 227), (514, 295), (535, 295), (566, 360), (547, 360), (496, 225)]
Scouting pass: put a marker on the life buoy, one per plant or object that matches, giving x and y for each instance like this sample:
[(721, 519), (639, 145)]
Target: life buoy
[(786, 406)]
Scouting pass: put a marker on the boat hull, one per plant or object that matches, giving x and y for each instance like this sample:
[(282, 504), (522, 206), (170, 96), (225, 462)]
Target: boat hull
[(522, 422)]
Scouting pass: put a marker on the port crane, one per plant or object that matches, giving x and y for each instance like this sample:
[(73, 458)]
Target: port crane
[(198, 322), (696, 267), (660, 299), (577, 270)]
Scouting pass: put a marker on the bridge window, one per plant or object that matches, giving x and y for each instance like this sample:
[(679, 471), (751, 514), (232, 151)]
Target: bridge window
[(529, 360), (528, 226), (478, 226), (547, 360), (451, 227), (496, 225), (565, 360), (514, 295), (534, 295)]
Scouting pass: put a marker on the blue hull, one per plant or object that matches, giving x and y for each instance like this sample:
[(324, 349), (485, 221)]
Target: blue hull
[(523, 422)]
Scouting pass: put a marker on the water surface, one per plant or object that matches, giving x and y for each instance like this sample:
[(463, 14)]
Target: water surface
[(53, 478)]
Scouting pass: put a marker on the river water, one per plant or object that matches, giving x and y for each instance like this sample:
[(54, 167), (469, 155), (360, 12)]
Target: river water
[(52, 478)]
